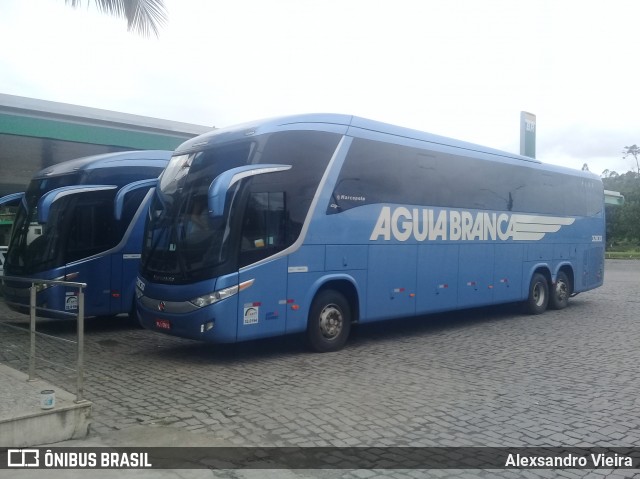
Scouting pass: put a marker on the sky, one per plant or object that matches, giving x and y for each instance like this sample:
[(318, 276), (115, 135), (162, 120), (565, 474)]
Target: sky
[(465, 69)]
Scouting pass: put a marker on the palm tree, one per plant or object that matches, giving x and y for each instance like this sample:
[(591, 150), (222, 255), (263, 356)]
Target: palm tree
[(143, 16), (633, 150)]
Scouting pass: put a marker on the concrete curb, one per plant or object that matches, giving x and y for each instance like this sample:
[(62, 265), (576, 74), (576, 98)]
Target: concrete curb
[(24, 423)]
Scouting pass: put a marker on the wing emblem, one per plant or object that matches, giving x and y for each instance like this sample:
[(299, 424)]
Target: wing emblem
[(533, 228)]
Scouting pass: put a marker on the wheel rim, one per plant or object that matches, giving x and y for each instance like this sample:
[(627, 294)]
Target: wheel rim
[(538, 294), (331, 321), (562, 291)]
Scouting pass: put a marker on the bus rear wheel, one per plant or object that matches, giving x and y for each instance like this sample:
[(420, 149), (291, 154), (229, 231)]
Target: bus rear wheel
[(559, 298), (329, 322), (538, 295)]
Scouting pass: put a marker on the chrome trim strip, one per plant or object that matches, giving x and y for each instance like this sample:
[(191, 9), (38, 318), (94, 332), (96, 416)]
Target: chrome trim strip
[(179, 307), (257, 171)]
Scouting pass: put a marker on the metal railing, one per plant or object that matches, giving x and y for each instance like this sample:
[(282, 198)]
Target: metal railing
[(33, 310)]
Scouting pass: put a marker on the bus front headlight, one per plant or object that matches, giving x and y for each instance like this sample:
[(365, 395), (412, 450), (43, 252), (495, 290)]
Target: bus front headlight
[(211, 298), (219, 295)]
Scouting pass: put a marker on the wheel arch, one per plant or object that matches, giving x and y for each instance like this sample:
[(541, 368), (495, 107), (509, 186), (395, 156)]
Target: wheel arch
[(345, 285), (567, 268), (541, 268)]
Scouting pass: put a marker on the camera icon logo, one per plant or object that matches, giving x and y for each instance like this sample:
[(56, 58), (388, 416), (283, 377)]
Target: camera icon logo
[(23, 458)]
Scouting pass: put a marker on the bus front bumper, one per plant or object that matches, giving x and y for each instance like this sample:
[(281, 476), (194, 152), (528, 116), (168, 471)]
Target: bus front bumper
[(214, 323)]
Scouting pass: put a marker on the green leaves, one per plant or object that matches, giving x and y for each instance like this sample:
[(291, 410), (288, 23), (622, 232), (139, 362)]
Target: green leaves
[(623, 222), (143, 16)]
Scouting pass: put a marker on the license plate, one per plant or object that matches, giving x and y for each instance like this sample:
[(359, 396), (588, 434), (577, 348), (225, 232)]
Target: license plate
[(163, 324)]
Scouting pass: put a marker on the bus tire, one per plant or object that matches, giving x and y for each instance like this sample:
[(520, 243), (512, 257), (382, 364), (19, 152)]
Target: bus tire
[(561, 290), (329, 322), (538, 295)]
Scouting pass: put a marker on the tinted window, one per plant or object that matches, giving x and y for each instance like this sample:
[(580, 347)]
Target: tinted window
[(376, 172), (90, 228), (132, 202), (182, 243), (277, 203), (120, 176), (308, 152), (264, 227)]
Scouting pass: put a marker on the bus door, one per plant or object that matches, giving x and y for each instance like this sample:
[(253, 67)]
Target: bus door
[(79, 229), (262, 284), (262, 302)]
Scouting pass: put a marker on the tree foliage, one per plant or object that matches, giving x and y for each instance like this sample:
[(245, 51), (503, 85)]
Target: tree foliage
[(623, 223), (143, 16), (633, 151)]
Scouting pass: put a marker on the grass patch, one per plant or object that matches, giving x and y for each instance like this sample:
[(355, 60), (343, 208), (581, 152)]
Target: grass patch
[(622, 255)]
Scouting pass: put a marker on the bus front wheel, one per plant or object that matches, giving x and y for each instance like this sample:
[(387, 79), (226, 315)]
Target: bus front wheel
[(329, 322), (559, 298), (538, 295)]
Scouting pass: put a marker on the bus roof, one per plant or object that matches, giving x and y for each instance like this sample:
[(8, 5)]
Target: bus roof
[(364, 128), (152, 158), (346, 124)]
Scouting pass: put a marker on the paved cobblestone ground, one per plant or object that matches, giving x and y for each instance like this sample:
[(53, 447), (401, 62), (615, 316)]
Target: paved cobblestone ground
[(490, 377)]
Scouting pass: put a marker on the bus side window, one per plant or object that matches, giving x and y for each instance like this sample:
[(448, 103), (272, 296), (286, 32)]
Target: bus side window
[(263, 227), (90, 229), (132, 202)]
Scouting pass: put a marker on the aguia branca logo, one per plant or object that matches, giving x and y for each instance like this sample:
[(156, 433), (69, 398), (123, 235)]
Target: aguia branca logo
[(424, 224)]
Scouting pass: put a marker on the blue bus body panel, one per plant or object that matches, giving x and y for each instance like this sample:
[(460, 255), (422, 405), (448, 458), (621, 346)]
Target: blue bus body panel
[(475, 279), (96, 272), (262, 307), (508, 284), (437, 279), (391, 282), (454, 274)]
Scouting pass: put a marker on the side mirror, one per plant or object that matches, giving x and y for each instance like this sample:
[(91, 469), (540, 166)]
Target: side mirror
[(13, 199), (118, 203), (218, 189)]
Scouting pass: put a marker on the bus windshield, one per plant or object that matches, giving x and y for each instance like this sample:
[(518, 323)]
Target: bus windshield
[(26, 226), (182, 242), (78, 227)]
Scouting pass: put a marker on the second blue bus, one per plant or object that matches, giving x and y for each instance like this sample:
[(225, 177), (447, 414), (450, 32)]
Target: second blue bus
[(82, 220)]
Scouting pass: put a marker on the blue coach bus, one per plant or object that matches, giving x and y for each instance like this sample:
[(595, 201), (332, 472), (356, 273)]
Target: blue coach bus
[(310, 223), (82, 220)]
